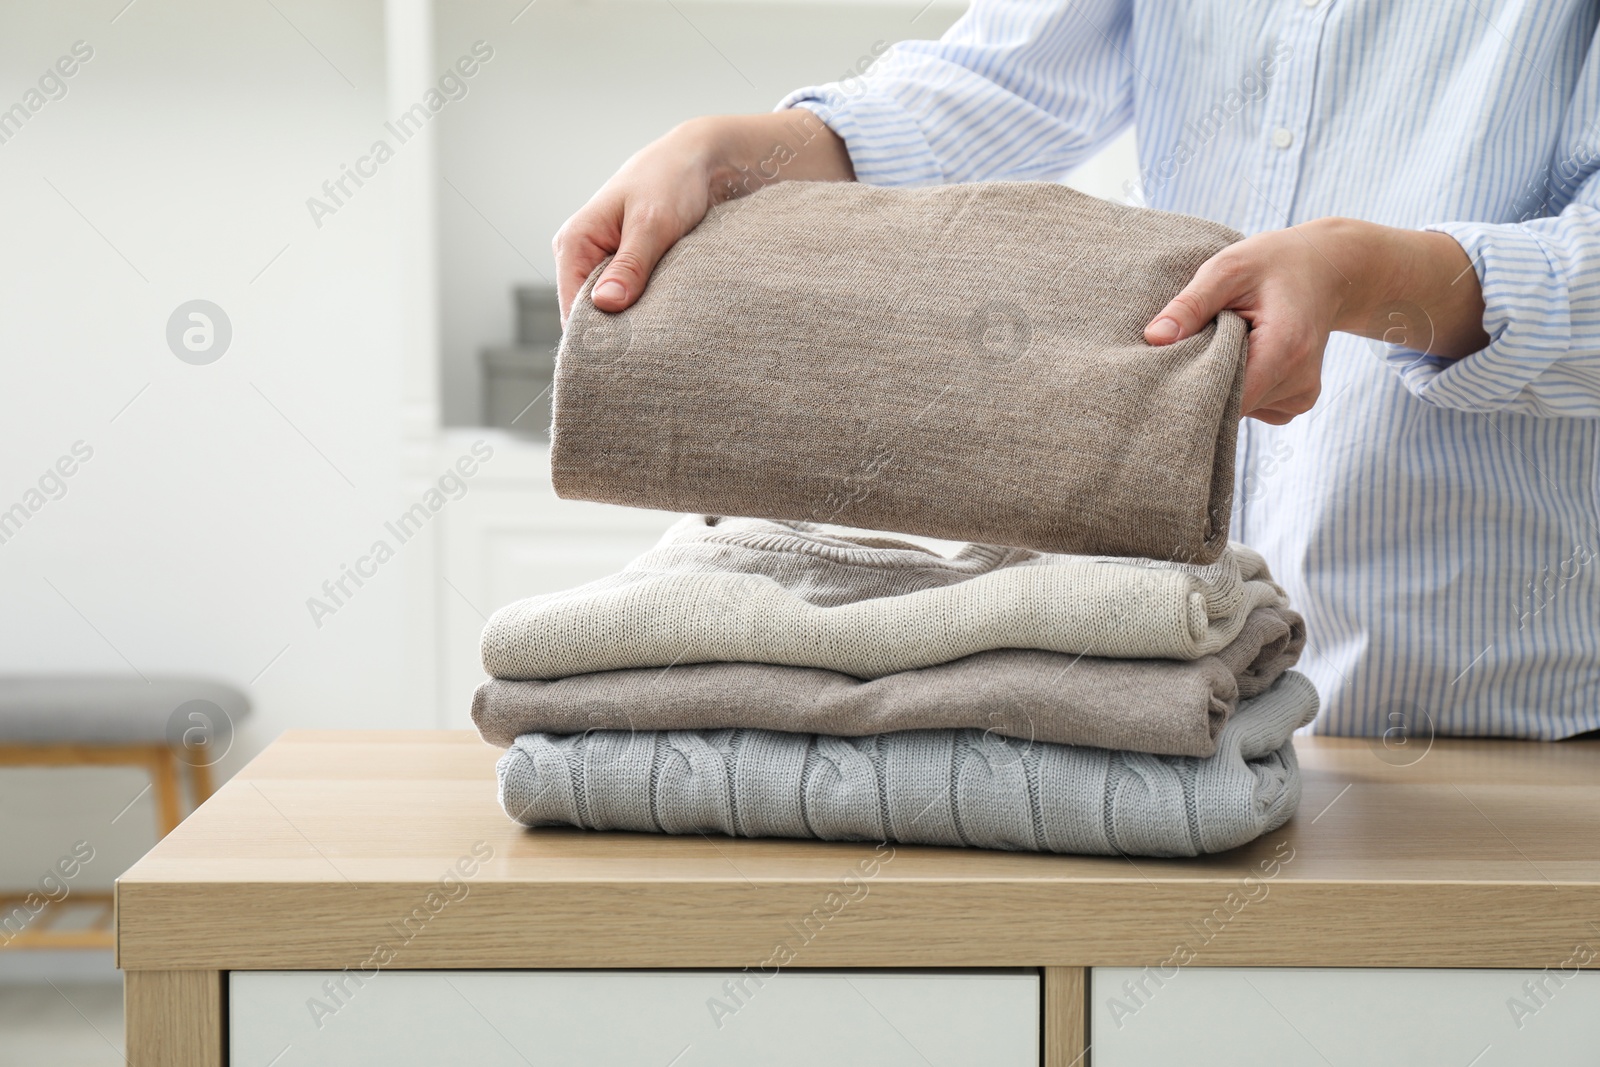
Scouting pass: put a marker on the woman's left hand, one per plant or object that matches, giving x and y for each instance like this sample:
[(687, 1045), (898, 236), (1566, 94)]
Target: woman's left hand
[(1294, 287)]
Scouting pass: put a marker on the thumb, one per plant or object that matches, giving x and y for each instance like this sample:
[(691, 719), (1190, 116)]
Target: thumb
[(1188, 313), (646, 236)]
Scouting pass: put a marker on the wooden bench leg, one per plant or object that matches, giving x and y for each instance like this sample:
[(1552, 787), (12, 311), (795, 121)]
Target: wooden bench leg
[(1066, 1017), (200, 787), (168, 792), (174, 1018)]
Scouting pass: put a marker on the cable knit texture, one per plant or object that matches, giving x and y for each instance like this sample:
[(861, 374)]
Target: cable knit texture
[(1171, 707), (963, 361), (934, 787), (802, 595)]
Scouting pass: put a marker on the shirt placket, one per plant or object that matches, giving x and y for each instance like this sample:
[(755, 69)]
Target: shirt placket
[(1286, 119)]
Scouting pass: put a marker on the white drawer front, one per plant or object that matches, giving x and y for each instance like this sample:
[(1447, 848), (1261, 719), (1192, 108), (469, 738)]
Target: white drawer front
[(1313, 1017), (644, 1018)]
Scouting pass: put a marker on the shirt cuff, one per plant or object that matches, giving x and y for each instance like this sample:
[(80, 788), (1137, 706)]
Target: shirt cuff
[(886, 145), (1525, 313)]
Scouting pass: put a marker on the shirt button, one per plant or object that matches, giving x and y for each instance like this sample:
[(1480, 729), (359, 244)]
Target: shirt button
[(1312, 3), (1282, 137)]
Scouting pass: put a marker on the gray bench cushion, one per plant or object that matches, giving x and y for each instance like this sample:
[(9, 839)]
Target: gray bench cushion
[(107, 709)]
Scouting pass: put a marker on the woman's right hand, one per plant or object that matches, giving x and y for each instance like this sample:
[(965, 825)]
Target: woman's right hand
[(665, 189)]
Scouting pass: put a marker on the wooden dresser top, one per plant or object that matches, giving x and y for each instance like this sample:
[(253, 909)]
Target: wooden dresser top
[(330, 846)]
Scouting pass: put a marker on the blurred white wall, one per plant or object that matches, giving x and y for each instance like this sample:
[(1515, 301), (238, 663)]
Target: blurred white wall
[(219, 497), (177, 164)]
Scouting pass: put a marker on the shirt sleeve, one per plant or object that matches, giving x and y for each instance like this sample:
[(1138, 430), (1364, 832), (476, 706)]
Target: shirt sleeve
[(1016, 89), (1541, 290)]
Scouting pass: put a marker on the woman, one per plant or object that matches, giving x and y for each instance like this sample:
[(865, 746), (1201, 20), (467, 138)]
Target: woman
[(1422, 279)]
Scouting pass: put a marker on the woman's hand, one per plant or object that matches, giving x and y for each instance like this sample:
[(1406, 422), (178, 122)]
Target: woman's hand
[(1295, 286), (665, 189)]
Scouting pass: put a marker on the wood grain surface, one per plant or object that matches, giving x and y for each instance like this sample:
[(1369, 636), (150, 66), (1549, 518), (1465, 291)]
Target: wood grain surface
[(333, 846)]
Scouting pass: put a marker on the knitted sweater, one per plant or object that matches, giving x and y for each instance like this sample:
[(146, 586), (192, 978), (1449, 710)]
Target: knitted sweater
[(936, 787), (963, 361), (754, 591), (1173, 707)]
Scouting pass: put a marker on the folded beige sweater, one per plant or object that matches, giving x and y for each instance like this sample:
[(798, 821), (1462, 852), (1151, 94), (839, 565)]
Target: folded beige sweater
[(1166, 707), (964, 361), (794, 594)]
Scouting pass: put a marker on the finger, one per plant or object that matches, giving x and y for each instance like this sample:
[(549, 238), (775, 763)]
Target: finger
[(572, 270), (1263, 373), (647, 233), (582, 243), (1271, 416), (1213, 288), (1282, 368), (1286, 398), (1284, 408)]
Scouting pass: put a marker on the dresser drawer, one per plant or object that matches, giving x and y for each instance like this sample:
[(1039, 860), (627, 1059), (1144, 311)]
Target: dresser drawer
[(1311, 1017), (649, 1018)]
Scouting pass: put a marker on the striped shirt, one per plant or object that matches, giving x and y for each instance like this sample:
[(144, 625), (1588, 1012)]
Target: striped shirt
[(1435, 520)]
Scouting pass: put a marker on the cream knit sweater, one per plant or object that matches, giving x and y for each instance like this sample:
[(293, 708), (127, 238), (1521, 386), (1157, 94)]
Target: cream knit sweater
[(801, 595)]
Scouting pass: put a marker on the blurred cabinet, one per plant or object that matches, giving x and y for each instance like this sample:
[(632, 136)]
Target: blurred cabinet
[(518, 378)]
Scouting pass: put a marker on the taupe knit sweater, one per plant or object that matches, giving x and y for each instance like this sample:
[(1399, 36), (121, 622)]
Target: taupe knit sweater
[(1168, 707), (964, 361)]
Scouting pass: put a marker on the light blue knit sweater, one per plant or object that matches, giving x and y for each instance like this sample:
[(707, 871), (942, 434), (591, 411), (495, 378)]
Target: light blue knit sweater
[(936, 787)]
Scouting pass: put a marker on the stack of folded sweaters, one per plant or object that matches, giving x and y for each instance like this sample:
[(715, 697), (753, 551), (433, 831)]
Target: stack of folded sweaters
[(762, 678), (964, 362)]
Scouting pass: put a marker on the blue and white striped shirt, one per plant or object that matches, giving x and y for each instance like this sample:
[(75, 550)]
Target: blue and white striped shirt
[(1436, 521)]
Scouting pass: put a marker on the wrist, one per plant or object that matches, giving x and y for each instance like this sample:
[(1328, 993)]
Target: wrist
[(711, 143), (1362, 255), (742, 153), (1409, 288)]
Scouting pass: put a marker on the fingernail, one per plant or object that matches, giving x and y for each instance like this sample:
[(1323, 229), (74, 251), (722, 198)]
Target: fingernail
[(610, 289), (1163, 329)]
